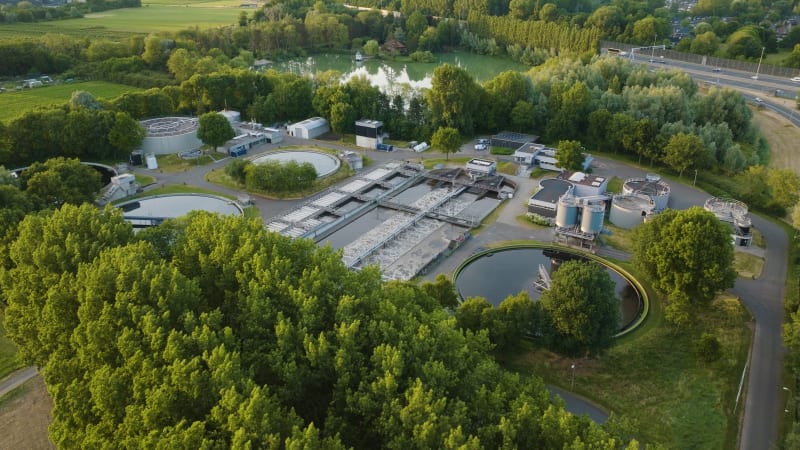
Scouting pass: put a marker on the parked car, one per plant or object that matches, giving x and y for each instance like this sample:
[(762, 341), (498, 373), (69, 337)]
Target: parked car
[(716, 69), (796, 79), (481, 147)]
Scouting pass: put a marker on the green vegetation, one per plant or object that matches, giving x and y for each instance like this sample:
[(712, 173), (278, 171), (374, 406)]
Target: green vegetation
[(124, 22), (501, 151), (8, 352), (665, 393), (13, 104), (618, 238), (748, 265), (189, 321), (173, 163), (615, 185), (507, 167)]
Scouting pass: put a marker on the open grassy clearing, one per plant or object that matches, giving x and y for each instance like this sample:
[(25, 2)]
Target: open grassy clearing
[(12, 104), (121, 23), (654, 379), (25, 414), (782, 137)]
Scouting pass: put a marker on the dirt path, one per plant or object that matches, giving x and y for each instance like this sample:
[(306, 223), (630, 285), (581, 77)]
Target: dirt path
[(25, 416)]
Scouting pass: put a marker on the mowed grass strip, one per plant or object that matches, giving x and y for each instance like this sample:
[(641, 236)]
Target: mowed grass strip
[(654, 380), (8, 352), (13, 104)]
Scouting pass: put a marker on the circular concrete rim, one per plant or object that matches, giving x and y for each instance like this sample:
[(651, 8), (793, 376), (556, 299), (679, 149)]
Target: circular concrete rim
[(188, 194), (336, 160), (625, 274)]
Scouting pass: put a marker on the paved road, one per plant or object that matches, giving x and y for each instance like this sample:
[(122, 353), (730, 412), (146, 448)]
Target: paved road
[(16, 379), (763, 297)]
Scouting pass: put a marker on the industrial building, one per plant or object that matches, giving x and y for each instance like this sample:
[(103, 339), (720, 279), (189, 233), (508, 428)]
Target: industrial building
[(543, 202), (369, 133), (509, 139), (477, 167), (241, 144), (586, 185), (169, 135), (310, 128), (736, 214), (539, 155)]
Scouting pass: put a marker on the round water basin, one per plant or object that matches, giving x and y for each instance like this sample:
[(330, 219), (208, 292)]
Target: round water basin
[(176, 205), (495, 275), (324, 163)]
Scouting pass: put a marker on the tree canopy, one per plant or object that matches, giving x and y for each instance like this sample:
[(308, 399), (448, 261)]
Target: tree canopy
[(581, 308), (447, 140), (212, 332), (214, 129), (687, 254)]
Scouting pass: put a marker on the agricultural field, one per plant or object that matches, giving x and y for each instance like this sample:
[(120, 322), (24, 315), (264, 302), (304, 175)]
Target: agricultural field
[(153, 16), (13, 104)]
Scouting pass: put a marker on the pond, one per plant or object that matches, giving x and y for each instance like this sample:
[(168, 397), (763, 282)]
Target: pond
[(497, 275), (398, 78)]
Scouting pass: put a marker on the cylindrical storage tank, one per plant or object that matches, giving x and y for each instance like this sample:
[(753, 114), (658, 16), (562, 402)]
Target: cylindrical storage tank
[(652, 186), (592, 220), (627, 211), (167, 135), (566, 212)]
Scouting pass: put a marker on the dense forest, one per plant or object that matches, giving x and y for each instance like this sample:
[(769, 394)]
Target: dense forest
[(213, 332)]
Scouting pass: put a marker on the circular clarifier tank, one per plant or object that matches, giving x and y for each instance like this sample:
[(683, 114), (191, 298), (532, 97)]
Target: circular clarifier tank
[(177, 205), (324, 163), (497, 274)]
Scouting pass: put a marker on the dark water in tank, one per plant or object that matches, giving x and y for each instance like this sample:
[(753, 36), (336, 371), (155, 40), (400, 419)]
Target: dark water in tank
[(508, 272)]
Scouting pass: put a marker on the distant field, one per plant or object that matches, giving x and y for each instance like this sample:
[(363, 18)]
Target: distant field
[(153, 16), (13, 104)]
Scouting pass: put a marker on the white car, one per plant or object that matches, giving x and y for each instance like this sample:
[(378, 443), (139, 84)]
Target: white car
[(796, 79), (481, 146)]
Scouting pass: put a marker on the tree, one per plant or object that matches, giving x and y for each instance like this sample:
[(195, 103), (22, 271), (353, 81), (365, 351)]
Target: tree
[(443, 290), (371, 47), (60, 180), (214, 129), (447, 140), (582, 308), (684, 151), (784, 187), (569, 155), (453, 98), (83, 99), (126, 134), (687, 254)]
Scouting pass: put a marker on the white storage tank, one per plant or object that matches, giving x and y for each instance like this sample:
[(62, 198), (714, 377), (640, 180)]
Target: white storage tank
[(629, 210), (592, 219), (168, 135), (566, 212), (652, 186)]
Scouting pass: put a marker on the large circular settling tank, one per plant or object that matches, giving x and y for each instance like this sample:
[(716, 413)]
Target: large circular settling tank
[(498, 274), (323, 163), (172, 206)]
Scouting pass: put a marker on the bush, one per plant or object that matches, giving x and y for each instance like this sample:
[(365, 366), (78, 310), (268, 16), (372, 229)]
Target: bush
[(708, 348), (501, 151), (237, 169), (420, 56)]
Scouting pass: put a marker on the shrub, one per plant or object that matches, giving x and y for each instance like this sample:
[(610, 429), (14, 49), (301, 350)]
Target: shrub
[(708, 348), (237, 169), (423, 56)]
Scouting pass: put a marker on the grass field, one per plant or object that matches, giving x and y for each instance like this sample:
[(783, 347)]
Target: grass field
[(653, 378), (153, 16), (12, 104)]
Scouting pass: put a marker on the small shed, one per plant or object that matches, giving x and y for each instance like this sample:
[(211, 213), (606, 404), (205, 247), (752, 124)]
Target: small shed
[(477, 167), (310, 128), (394, 47)]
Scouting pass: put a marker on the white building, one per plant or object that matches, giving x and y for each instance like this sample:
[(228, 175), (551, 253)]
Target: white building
[(585, 185), (369, 133), (477, 167), (532, 154), (310, 128)]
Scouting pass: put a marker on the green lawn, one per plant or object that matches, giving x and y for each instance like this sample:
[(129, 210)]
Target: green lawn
[(12, 104), (654, 380), (8, 352), (153, 16)]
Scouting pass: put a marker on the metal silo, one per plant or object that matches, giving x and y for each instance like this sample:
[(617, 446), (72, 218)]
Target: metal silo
[(592, 220), (566, 212)]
